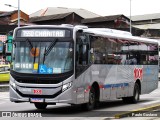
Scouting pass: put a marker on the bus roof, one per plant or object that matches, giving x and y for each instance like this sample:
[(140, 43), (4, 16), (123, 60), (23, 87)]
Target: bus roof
[(105, 32)]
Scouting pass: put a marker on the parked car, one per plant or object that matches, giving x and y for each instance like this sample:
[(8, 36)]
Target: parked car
[(4, 73)]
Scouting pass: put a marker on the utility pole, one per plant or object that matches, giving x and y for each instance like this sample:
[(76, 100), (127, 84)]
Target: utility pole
[(130, 17), (19, 13)]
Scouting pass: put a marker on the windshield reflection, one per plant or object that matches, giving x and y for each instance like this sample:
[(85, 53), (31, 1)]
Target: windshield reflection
[(43, 57)]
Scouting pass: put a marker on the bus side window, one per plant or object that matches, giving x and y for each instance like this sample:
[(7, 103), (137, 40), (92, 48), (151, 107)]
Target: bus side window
[(82, 52), (153, 54)]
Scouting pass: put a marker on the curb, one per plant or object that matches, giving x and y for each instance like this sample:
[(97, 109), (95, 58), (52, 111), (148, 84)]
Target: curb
[(141, 110)]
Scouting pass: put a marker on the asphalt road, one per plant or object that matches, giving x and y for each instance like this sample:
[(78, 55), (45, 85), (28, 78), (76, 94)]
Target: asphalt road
[(106, 110)]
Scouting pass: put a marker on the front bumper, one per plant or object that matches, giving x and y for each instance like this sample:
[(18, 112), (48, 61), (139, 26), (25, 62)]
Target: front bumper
[(61, 97)]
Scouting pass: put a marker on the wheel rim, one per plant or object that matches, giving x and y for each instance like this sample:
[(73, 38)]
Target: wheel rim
[(92, 98), (136, 95)]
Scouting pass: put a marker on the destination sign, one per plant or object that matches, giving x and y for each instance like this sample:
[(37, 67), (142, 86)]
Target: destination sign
[(43, 33)]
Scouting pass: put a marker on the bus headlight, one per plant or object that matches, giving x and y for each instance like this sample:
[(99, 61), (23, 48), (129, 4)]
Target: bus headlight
[(66, 86), (12, 83)]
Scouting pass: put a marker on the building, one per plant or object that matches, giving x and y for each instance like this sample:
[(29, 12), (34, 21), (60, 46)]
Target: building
[(9, 21), (60, 10), (60, 15), (56, 19), (11, 18), (113, 21), (149, 23)]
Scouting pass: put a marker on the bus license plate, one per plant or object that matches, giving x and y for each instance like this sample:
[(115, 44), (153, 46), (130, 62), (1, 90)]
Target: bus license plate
[(37, 100)]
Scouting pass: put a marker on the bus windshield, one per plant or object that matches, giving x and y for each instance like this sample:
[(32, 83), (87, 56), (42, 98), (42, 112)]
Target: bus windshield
[(43, 57)]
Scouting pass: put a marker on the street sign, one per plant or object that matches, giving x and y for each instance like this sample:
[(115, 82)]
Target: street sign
[(42, 69)]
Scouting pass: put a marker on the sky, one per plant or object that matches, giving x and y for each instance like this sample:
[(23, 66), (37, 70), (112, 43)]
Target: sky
[(101, 7)]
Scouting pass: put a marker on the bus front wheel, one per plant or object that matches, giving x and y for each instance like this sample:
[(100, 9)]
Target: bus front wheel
[(40, 105), (92, 100)]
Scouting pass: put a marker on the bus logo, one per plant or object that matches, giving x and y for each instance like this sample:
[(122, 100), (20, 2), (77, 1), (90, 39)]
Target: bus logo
[(138, 73), (37, 91)]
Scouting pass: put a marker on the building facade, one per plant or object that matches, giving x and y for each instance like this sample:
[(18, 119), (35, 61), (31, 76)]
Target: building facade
[(149, 23), (8, 22), (57, 19)]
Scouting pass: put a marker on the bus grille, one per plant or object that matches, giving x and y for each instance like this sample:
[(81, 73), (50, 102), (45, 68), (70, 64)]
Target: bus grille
[(39, 78), (37, 81), (40, 96)]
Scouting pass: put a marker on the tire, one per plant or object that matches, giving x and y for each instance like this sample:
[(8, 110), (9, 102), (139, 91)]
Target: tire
[(136, 95), (40, 105), (92, 100), (126, 99)]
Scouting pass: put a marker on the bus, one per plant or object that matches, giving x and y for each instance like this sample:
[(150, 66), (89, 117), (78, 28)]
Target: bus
[(80, 65), (159, 59)]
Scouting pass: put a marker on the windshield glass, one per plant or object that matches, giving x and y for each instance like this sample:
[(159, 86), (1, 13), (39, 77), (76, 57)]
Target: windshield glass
[(42, 57)]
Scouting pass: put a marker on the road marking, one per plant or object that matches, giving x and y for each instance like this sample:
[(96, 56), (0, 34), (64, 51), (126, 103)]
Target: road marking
[(2, 102), (4, 98), (4, 94)]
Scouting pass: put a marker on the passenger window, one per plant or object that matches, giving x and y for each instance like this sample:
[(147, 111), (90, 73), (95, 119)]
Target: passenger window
[(137, 53), (153, 54), (104, 50)]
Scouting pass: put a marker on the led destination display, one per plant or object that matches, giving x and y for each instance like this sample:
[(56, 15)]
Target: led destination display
[(43, 33)]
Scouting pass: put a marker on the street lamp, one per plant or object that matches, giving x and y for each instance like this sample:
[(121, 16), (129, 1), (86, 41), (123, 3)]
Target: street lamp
[(18, 11), (11, 6)]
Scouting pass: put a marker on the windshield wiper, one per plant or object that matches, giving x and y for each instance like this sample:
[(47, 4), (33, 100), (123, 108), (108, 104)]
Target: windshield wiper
[(31, 47), (34, 54), (50, 47), (29, 43), (44, 57), (47, 51)]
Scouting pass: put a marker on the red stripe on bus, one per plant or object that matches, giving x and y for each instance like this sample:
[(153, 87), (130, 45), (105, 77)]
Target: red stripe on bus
[(101, 86)]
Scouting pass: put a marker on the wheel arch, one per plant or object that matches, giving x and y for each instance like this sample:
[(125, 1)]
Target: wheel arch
[(95, 85)]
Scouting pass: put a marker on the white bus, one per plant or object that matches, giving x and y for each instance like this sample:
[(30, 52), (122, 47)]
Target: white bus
[(80, 65), (159, 58)]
